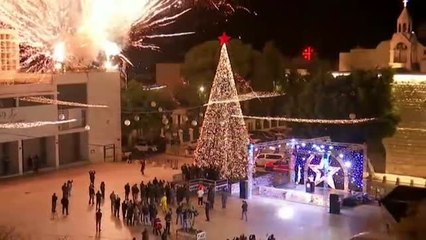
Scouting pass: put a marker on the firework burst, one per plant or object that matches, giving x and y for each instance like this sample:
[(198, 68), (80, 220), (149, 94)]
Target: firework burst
[(80, 32)]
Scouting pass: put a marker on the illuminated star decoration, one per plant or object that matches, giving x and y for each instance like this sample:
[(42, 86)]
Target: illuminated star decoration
[(320, 175), (224, 39), (405, 3)]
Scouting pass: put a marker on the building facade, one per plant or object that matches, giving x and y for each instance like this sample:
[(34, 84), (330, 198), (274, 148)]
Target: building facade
[(94, 137), (406, 150), (404, 51)]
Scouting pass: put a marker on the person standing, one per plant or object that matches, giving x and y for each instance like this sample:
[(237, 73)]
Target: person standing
[(69, 187), (200, 194), (143, 167), (168, 219), (98, 200), (224, 198), (65, 203), (244, 208), (65, 193), (124, 209), (98, 220), (163, 204), (92, 175), (102, 187), (179, 214), (117, 203), (145, 213), (91, 194), (112, 198), (207, 210), (126, 191), (54, 200)]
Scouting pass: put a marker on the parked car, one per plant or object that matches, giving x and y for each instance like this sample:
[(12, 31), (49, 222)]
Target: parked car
[(145, 146), (278, 166), (263, 158)]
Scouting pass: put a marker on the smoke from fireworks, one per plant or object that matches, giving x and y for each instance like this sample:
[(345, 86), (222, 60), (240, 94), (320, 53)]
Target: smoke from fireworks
[(80, 32)]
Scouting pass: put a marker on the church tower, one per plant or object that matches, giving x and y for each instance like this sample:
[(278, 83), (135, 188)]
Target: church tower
[(403, 43)]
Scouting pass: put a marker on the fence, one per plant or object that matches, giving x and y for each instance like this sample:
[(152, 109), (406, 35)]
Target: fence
[(218, 185)]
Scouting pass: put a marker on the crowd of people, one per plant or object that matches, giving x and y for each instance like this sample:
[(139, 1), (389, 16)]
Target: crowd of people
[(192, 171), (252, 237), (143, 203)]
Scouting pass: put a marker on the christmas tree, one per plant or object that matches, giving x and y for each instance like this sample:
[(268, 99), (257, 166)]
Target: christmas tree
[(224, 139)]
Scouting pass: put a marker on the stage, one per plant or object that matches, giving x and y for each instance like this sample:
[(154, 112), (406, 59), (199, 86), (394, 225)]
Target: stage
[(320, 197)]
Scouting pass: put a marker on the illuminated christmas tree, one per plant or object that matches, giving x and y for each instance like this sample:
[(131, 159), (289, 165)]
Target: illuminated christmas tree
[(224, 139)]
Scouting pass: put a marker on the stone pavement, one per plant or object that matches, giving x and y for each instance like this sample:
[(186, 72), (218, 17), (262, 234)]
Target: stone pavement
[(25, 205)]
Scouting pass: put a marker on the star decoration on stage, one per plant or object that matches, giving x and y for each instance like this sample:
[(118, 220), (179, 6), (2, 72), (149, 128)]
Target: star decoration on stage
[(320, 175), (224, 39)]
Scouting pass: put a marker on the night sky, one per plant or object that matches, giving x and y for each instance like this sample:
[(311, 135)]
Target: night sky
[(330, 26)]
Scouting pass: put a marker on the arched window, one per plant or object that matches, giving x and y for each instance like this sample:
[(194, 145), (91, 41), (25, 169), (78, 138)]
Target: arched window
[(399, 28), (400, 53), (404, 27)]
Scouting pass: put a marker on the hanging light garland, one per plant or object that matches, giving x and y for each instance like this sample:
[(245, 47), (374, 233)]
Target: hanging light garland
[(246, 97), (317, 121), (23, 125), (44, 100)]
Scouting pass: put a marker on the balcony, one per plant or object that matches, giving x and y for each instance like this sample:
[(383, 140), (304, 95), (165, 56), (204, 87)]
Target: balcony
[(72, 113)]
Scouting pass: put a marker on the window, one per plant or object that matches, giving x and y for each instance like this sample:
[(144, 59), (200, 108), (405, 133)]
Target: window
[(400, 53)]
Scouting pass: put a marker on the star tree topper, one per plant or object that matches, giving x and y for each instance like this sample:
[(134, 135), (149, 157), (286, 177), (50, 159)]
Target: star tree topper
[(224, 39)]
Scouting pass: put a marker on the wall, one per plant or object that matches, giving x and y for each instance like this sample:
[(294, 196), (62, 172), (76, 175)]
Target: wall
[(406, 150), (43, 147), (28, 114), (70, 148), (365, 59), (9, 150), (105, 123)]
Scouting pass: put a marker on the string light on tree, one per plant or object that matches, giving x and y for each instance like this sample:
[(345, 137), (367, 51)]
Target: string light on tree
[(312, 121), (223, 139)]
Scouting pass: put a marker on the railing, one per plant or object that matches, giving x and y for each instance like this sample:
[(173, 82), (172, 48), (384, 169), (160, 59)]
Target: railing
[(218, 185), (72, 113)]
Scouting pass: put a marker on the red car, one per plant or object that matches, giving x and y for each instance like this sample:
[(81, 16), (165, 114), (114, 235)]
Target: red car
[(278, 166)]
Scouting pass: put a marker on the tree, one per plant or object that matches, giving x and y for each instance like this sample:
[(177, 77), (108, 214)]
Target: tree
[(141, 108), (223, 141), (201, 61)]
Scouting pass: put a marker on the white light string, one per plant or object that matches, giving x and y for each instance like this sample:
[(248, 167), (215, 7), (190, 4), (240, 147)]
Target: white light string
[(23, 125), (318, 121), (246, 97), (58, 102)]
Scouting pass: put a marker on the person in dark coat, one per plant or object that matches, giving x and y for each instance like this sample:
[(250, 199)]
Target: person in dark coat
[(54, 200), (91, 194), (117, 207), (135, 192), (207, 210), (168, 219), (98, 220), (126, 191), (244, 208), (102, 187), (92, 175), (112, 198), (98, 200), (142, 188), (224, 198), (143, 167), (65, 193), (69, 187), (65, 203), (124, 209)]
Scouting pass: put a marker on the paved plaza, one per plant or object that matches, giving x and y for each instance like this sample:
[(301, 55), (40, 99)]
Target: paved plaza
[(25, 205)]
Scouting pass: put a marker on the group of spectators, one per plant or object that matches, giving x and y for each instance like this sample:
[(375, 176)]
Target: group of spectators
[(192, 171), (251, 237)]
